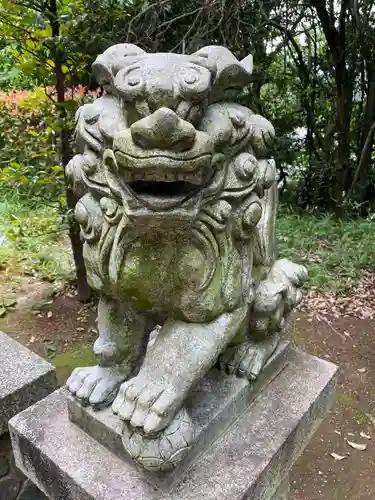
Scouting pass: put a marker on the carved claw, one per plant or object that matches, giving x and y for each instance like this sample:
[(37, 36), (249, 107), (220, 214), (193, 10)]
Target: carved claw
[(275, 297), (95, 385), (263, 134), (146, 404), (248, 359)]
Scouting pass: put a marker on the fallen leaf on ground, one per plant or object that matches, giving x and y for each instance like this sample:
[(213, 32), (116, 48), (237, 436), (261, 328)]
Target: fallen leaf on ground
[(357, 446), (10, 302), (338, 457), (364, 436), (39, 304), (51, 350)]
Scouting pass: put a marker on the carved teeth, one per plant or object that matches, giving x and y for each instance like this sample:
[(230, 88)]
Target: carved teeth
[(138, 176), (157, 176)]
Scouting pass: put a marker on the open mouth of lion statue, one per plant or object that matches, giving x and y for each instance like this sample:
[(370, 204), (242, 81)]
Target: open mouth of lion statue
[(163, 160)]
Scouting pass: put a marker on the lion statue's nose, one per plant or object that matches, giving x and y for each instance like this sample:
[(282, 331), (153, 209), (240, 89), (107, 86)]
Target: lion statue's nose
[(163, 130)]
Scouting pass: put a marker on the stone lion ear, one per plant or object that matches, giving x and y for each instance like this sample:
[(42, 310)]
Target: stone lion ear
[(107, 65), (232, 75), (248, 64), (203, 60)]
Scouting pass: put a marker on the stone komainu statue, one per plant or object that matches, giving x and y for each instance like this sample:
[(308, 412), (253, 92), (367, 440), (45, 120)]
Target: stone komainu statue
[(177, 206)]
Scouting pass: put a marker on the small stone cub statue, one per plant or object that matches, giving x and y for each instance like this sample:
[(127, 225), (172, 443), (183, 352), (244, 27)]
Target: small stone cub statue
[(177, 206)]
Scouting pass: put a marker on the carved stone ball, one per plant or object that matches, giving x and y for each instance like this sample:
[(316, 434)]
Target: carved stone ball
[(252, 215), (245, 166), (164, 451)]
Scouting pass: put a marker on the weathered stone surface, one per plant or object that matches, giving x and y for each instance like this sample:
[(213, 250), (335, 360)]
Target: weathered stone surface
[(176, 202), (9, 489), (31, 492), (25, 379), (13, 483), (250, 460), (213, 406), (4, 465)]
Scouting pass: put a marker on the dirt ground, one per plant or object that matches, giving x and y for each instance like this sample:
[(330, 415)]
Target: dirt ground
[(55, 324), (350, 343)]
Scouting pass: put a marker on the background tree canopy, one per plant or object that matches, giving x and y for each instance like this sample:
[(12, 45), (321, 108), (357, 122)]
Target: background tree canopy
[(314, 79)]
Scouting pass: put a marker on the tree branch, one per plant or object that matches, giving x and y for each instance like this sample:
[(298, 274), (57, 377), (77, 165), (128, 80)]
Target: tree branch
[(362, 162)]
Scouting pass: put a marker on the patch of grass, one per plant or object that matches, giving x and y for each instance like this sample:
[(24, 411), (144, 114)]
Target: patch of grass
[(343, 399), (334, 252), (363, 419), (67, 361), (34, 240)]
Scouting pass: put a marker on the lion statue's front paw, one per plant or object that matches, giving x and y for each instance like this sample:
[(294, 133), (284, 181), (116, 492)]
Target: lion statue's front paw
[(147, 403), (248, 359), (95, 385), (275, 297)]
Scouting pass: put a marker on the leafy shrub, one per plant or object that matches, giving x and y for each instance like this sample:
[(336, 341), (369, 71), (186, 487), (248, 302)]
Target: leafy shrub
[(11, 76), (30, 123), (28, 158), (37, 241)]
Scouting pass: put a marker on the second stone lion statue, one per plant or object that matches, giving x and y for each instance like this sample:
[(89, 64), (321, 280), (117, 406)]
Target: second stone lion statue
[(177, 206)]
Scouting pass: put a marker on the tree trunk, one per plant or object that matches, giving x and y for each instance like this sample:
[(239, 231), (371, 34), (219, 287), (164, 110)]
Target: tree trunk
[(83, 288), (336, 40), (341, 181), (366, 148)]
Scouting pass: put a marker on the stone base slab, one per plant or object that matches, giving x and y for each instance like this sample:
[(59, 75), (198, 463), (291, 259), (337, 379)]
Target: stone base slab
[(25, 379), (251, 460), (215, 403), (13, 483)]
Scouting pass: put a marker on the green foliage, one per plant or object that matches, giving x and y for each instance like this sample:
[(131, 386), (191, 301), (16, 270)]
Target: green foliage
[(36, 241), (12, 76), (29, 164), (334, 251)]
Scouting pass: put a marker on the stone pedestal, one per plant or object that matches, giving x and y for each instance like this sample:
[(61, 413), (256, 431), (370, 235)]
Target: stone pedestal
[(251, 460), (25, 379), (213, 406)]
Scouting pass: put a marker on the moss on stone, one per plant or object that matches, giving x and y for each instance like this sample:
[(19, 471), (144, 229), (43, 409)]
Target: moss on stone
[(67, 361)]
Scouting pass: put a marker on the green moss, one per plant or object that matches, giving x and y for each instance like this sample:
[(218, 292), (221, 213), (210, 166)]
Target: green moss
[(67, 361), (345, 399), (363, 419)]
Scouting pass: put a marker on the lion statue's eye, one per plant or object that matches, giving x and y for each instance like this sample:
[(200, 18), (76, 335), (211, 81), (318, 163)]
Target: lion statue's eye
[(194, 83), (190, 77), (133, 80), (130, 83)]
